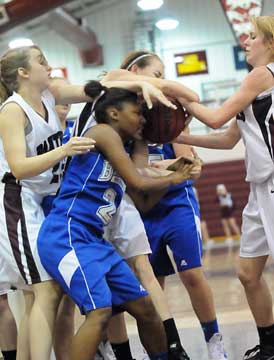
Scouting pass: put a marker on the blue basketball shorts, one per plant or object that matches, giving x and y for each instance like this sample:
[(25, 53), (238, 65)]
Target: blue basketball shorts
[(179, 228), (87, 267)]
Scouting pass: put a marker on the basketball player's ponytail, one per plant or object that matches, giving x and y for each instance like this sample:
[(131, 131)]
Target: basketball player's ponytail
[(4, 92), (94, 88)]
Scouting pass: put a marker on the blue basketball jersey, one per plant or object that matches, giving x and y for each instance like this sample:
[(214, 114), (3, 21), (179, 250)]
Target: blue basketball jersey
[(90, 192), (172, 197)]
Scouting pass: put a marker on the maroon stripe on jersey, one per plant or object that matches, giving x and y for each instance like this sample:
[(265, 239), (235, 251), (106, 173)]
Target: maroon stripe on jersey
[(14, 213), (271, 129), (260, 109)]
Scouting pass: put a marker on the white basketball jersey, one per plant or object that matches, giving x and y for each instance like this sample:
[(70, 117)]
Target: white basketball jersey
[(256, 124), (41, 137)]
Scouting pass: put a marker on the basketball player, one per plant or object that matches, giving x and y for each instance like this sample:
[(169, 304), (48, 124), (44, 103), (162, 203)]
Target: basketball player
[(126, 231), (183, 237), (253, 107), (8, 330), (30, 154), (70, 242), (227, 208)]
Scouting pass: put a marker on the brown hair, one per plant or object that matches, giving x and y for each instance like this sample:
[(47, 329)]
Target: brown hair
[(10, 62), (265, 25), (142, 62)]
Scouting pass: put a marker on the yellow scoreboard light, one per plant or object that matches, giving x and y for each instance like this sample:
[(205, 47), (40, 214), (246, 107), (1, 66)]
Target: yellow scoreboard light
[(191, 63)]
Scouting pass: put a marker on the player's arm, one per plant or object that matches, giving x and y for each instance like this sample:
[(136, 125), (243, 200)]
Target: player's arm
[(180, 150), (257, 81), (168, 87), (70, 94), (12, 132), (139, 154), (110, 144), (221, 140)]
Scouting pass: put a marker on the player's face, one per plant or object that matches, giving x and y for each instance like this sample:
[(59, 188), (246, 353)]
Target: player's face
[(256, 49), (39, 71), (131, 121), (154, 69), (62, 111)]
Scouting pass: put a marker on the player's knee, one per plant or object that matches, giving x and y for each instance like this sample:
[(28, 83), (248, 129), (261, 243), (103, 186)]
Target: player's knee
[(247, 277), (48, 292), (147, 311), (4, 305), (143, 269), (67, 307), (192, 278), (99, 317)]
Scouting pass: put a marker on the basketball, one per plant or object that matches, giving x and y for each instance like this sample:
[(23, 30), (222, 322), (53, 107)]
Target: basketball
[(163, 124)]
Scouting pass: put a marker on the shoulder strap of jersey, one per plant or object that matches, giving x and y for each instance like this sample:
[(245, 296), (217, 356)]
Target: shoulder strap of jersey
[(270, 67)]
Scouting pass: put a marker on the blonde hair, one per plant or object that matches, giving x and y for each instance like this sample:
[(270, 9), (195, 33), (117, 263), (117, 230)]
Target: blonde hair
[(10, 62), (265, 25), (141, 58)]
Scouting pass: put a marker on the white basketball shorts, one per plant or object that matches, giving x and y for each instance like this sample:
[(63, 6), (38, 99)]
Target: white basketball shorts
[(126, 232), (21, 216), (258, 225)]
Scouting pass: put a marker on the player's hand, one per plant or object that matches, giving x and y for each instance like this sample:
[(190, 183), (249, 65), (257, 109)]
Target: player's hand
[(183, 173), (150, 92), (198, 163), (78, 145), (162, 164)]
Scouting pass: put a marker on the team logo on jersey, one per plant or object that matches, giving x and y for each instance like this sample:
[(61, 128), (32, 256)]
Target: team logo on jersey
[(184, 263), (107, 172), (142, 289)]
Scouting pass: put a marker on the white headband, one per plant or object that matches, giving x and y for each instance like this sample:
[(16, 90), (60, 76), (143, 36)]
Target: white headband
[(137, 59)]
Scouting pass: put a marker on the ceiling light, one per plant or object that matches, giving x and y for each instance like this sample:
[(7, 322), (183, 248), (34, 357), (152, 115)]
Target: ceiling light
[(167, 24), (150, 4), (20, 42)]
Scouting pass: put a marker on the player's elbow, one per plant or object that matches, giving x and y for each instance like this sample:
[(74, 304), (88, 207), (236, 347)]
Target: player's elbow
[(20, 172), (196, 97)]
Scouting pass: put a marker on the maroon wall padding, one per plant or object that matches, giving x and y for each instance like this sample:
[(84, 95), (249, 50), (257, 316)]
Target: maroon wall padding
[(230, 173)]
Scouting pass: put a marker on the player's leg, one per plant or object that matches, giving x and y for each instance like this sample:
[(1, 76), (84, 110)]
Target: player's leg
[(23, 340), (257, 292), (86, 340), (127, 234), (64, 328), (117, 335), (143, 270), (256, 243), (128, 293), (202, 302), (47, 297), (149, 322), (184, 240), (226, 228), (234, 226), (8, 330)]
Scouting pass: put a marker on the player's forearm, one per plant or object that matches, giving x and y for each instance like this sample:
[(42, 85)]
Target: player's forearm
[(140, 154), (176, 89), (145, 201), (213, 118), (169, 87), (33, 166), (211, 141)]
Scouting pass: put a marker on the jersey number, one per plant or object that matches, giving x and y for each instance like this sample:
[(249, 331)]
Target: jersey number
[(105, 212)]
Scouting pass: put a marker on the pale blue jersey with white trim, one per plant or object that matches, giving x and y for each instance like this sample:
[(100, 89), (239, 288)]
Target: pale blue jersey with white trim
[(90, 192)]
